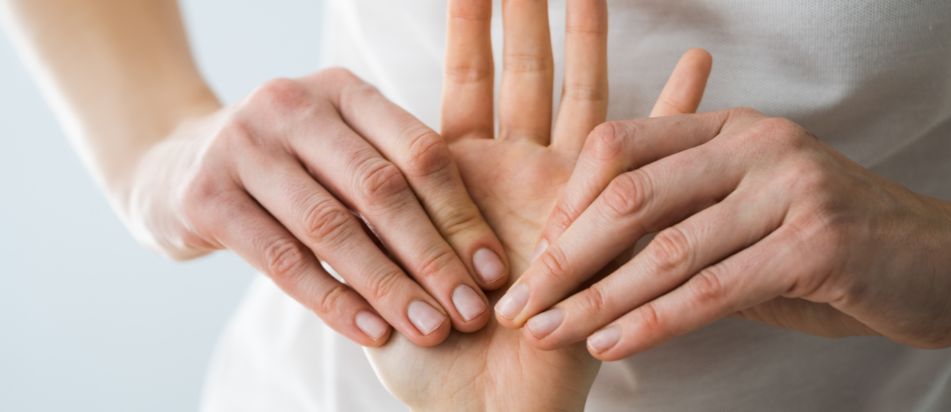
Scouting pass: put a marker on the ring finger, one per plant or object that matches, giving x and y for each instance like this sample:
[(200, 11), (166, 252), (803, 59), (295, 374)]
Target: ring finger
[(525, 103)]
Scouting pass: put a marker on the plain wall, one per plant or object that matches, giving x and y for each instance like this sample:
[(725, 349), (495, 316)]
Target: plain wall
[(90, 320)]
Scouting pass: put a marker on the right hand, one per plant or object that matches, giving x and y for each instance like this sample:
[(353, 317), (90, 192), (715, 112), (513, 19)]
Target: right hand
[(325, 168)]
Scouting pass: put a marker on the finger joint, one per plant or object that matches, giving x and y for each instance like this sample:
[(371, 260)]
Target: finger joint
[(672, 251), (327, 223), (379, 182), (283, 259), (628, 194), (428, 152)]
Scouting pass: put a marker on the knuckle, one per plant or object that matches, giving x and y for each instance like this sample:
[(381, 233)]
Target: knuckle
[(283, 259), (562, 216), (627, 194), (236, 134), (743, 113), (428, 152), (780, 132), (592, 300), (808, 177), (383, 284), (282, 95), (585, 92), (651, 322), (468, 72), (672, 251), (554, 264), (380, 181), (827, 227), (356, 91), (193, 201), (332, 301), (823, 237), (455, 221), (326, 222), (337, 75), (707, 288), (526, 63), (606, 142), (198, 199), (435, 263)]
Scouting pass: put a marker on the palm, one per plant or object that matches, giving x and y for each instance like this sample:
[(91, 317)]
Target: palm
[(515, 178), (515, 184)]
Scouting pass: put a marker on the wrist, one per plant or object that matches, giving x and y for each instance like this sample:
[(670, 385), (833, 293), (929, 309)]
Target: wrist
[(119, 178), (146, 194), (563, 401)]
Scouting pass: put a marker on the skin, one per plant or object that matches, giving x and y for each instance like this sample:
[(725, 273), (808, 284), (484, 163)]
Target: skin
[(515, 178), (321, 167), (754, 216)]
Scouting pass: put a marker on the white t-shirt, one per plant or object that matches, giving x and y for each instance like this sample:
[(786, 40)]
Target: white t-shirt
[(872, 78)]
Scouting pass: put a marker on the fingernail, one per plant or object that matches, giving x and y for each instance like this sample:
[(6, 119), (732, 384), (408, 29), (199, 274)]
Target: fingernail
[(514, 300), (539, 249), (544, 323), (488, 265), (424, 317), (467, 302), (604, 339), (371, 325)]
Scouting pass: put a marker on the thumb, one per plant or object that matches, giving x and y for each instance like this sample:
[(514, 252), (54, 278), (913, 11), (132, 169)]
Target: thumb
[(685, 86)]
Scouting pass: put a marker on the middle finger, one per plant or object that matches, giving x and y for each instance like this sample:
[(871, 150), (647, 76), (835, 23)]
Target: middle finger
[(528, 72), (584, 97)]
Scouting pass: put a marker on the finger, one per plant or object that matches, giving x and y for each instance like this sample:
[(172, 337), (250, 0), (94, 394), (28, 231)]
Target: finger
[(525, 101), (616, 147), (684, 89), (468, 86), (328, 229), (633, 205), (241, 225), (765, 271), (357, 174), (584, 96), (426, 162), (607, 151), (675, 254)]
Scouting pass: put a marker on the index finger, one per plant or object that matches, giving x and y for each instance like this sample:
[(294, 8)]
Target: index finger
[(624, 212), (612, 148)]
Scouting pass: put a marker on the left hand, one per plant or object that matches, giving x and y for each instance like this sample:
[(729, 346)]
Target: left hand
[(515, 178), (753, 216)]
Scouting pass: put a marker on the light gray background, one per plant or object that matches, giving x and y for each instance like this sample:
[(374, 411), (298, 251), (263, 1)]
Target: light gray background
[(89, 320)]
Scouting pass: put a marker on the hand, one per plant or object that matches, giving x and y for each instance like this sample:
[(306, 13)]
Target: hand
[(753, 216), (515, 180), (319, 167)]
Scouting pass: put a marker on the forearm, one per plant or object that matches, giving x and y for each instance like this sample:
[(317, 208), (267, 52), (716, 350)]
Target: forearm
[(118, 74)]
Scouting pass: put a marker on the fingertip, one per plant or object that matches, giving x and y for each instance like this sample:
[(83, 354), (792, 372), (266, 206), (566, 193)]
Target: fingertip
[(699, 56), (369, 342), (544, 343), (374, 329), (472, 309), (505, 322), (491, 269), (697, 63), (509, 309), (434, 338)]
